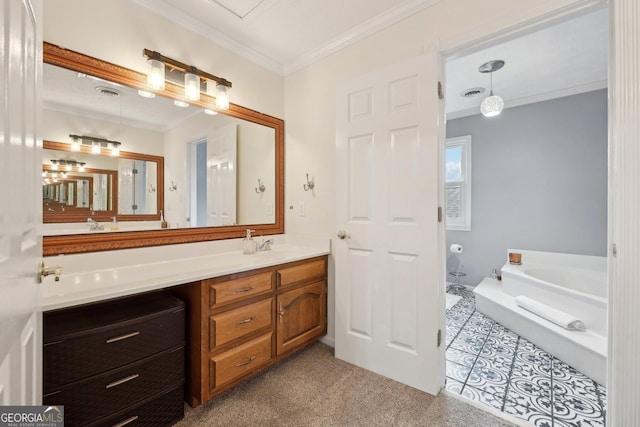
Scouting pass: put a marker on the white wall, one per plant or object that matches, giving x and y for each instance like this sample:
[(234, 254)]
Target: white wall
[(57, 126), (118, 30), (310, 96)]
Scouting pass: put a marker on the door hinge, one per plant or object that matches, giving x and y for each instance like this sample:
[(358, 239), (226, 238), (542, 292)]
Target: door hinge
[(614, 250), (439, 339), (439, 213), (440, 91)]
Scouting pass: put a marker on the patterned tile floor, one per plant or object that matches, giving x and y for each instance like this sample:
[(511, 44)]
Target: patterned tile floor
[(487, 362)]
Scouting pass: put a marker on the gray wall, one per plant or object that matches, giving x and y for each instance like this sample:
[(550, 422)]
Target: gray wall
[(539, 176)]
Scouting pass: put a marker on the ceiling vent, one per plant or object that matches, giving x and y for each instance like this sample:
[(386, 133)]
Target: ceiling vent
[(107, 91), (470, 93)]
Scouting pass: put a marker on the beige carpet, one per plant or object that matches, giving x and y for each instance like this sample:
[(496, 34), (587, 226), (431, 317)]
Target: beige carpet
[(312, 388)]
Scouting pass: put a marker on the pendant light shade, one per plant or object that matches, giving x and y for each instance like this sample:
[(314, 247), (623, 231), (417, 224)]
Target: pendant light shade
[(222, 98), (192, 86), (493, 104), (155, 76)]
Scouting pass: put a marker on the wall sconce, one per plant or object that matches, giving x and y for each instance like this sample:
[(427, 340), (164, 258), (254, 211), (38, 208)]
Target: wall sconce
[(260, 188), (173, 187), (96, 144), (309, 185), (193, 79)]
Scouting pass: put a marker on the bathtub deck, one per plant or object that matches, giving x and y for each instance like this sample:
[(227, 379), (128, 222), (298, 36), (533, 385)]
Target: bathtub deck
[(586, 351)]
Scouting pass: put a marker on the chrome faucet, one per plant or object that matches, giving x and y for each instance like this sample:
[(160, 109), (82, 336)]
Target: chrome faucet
[(44, 271), (95, 226), (264, 246)]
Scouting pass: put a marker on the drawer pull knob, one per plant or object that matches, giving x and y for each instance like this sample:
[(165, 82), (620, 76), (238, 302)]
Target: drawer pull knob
[(127, 421), (250, 288), (247, 362), (250, 319), (123, 337), (122, 381)]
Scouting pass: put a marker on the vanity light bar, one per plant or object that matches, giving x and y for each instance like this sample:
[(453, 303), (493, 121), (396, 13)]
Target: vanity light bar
[(96, 144), (186, 75), (67, 165)]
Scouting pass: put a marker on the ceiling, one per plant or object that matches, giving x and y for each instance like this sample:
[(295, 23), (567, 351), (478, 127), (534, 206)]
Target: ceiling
[(285, 35), (559, 60)]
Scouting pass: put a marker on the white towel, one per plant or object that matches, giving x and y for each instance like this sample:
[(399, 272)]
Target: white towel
[(558, 317)]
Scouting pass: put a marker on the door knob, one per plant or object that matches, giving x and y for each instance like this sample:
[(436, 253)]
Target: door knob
[(343, 235)]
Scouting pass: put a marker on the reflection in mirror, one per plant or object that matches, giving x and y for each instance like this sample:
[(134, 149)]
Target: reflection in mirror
[(78, 185), (212, 162)]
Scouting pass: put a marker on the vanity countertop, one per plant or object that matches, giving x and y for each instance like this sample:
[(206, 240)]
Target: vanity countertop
[(99, 276)]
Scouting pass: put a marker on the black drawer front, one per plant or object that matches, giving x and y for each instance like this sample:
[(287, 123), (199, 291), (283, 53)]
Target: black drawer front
[(105, 394), (165, 410), (78, 358)]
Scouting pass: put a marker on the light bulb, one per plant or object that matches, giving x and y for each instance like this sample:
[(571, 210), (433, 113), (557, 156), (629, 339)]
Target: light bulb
[(81, 168), (210, 112), (180, 104), (115, 150), (75, 145), (491, 106), (146, 94), (44, 174), (155, 76), (192, 86), (95, 149), (67, 168), (222, 98)]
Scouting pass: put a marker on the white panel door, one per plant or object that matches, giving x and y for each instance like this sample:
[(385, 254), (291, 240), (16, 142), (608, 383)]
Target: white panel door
[(221, 176), (21, 195), (389, 293)]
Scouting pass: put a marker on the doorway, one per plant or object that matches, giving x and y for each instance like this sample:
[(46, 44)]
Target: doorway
[(524, 198)]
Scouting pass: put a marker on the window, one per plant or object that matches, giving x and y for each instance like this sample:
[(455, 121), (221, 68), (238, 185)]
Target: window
[(458, 183)]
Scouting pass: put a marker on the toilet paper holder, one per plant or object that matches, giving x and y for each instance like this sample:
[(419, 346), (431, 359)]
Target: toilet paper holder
[(455, 248)]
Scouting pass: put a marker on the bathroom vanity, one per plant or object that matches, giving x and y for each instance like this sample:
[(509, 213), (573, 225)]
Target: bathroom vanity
[(120, 341), (241, 323)]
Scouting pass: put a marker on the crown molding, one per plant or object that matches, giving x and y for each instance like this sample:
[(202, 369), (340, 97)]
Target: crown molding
[(546, 96), (355, 34), (358, 33), (177, 16)]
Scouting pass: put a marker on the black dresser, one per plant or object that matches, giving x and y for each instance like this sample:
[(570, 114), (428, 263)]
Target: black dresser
[(117, 363)]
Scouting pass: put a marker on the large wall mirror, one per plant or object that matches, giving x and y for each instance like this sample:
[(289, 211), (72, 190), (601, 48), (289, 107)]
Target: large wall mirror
[(207, 176)]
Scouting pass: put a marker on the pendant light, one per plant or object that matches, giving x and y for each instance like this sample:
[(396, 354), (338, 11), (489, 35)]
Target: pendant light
[(493, 104)]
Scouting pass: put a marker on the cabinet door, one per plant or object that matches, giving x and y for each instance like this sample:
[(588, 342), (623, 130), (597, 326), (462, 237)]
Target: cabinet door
[(302, 316)]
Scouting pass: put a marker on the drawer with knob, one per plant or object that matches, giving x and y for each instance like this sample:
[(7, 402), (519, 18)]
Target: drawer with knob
[(228, 291), (239, 361), (233, 324)]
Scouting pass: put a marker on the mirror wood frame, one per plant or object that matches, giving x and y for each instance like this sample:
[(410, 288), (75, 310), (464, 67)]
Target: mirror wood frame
[(105, 216), (80, 243)]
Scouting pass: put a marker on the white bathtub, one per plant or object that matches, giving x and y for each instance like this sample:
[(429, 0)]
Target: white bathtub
[(575, 284)]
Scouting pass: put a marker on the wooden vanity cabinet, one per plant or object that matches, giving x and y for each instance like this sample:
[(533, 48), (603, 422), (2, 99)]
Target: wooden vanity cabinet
[(116, 362), (241, 323)]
